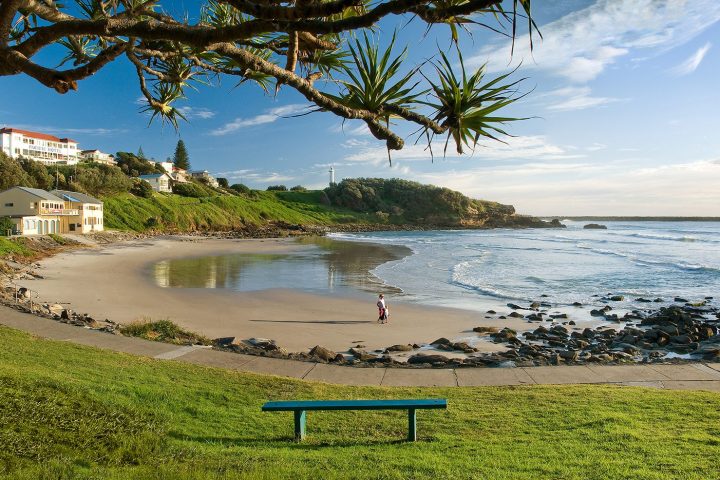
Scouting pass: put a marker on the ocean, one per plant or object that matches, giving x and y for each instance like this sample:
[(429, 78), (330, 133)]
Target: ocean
[(472, 269)]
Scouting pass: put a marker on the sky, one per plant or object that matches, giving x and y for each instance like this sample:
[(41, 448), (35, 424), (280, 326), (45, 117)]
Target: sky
[(622, 99)]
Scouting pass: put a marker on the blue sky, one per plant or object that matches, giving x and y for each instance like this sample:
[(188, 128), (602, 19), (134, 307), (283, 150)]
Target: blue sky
[(623, 94)]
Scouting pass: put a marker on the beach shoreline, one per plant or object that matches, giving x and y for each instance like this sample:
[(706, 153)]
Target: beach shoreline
[(112, 284)]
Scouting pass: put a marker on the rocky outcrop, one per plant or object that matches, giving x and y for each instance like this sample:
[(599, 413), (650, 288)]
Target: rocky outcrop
[(595, 226)]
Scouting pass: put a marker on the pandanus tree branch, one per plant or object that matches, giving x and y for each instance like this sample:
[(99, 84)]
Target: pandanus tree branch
[(288, 42)]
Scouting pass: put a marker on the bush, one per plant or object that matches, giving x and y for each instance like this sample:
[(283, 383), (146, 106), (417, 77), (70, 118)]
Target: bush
[(163, 331), (189, 189), (277, 188), (240, 188), (223, 182), (298, 188), (6, 225), (141, 189)]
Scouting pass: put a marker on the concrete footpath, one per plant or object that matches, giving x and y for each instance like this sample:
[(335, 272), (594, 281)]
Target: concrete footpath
[(696, 376)]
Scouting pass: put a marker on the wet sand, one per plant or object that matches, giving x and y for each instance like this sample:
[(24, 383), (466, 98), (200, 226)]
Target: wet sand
[(115, 282)]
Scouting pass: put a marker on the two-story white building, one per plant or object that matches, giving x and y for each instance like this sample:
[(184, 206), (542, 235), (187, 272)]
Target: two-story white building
[(37, 212), (160, 182), (90, 211), (204, 176), (34, 211), (40, 147), (98, 157)]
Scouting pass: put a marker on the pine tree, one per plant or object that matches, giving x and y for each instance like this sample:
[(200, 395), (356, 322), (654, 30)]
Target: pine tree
[(140, 153), (181, 160)]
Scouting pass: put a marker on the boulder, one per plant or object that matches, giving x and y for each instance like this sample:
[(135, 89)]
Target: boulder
[(617, 298), (323, 353), (595, 226), (569, 355), (399, 348), (515, 315), (422, 358), (362, 355), (486, 329), (441, 341)]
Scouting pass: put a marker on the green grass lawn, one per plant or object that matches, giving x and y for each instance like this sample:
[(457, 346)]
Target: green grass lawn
[(167, 212), (68, 411)]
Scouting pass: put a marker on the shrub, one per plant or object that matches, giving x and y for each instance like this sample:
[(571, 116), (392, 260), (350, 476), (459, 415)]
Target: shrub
[(277, 188), (298, 188), (142, 189), (58, 239), (190, 190), (6, 225), (223, 182), (240, 188), (163, 331)]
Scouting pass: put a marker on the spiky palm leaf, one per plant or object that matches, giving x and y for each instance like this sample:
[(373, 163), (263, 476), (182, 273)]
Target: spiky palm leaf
[(164, 95), (80, 50), (372, 84), (467, 107)]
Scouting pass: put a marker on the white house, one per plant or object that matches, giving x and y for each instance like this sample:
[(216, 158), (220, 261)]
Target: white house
[(35, 211), (98, 157), (205, 176), (90, 211), (160, 182), (40, 147)]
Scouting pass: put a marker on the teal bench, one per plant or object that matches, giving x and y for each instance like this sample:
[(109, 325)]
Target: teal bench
[(300, 407)]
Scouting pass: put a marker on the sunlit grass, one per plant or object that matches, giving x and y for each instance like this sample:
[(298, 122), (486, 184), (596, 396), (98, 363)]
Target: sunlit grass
[(69, 411)]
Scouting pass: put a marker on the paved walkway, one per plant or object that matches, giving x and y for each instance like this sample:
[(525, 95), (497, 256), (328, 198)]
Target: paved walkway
[(698, 376)]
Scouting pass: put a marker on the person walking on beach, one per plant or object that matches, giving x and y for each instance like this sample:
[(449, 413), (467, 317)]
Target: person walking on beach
[(382, 309)]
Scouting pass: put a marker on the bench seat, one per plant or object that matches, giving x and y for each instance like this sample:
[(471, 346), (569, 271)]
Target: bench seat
[(301, 406)]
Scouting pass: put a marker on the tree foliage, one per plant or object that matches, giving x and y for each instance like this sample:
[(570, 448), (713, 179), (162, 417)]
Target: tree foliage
[(412, 201), (181, 159), (290, 43), (134, 165)]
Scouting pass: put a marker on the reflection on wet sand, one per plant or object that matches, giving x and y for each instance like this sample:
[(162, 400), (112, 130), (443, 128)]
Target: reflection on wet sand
[(325, 265)]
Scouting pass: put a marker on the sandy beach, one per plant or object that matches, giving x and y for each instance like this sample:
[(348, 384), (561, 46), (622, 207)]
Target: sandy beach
[(115, 282)]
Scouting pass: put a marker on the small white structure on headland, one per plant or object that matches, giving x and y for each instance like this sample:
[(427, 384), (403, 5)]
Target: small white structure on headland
[(332, 175), (160, 182)]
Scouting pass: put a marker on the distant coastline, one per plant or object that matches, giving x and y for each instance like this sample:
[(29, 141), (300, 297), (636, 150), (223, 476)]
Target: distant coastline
[(630, 219)]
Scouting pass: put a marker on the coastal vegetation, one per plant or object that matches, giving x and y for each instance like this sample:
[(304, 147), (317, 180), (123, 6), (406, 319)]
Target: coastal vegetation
[(116, 416)]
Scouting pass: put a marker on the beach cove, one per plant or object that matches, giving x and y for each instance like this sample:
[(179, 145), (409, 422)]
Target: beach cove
[(307, 291)]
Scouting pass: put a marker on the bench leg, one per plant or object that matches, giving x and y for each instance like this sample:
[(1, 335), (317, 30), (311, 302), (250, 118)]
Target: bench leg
[(412, 425), (299, 425)]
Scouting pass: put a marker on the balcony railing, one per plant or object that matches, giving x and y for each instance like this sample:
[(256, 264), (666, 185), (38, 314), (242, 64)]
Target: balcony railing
[(54, 211)]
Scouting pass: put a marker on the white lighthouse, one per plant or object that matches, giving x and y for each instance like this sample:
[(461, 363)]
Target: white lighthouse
[(332, 175)]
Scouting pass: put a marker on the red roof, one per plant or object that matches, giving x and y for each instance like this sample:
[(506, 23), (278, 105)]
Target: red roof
[(39, 136)]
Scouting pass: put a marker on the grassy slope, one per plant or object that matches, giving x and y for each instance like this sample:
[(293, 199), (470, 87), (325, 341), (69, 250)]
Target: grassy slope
[(173, 212), (68, 411)]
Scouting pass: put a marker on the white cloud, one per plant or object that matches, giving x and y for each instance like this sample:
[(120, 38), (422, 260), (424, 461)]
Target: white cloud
[(575, 98), (592, 189), (63, 131), (194, 112), (521, 147), (255, 176), (693, 62), (269, 116), (581, 45)]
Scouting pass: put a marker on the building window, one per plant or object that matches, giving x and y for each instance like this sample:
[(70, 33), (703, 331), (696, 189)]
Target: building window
[(33, 205), (9, 204)]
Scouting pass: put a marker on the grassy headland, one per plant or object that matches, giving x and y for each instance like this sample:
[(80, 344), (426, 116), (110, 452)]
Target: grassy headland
[(361, 202), (69, 411)]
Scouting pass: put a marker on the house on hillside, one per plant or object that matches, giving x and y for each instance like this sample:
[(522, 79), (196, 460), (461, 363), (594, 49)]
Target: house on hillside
[(90, 211), (204, 176), (98, 157), (40, 147), (160, 182), (35, 211)]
